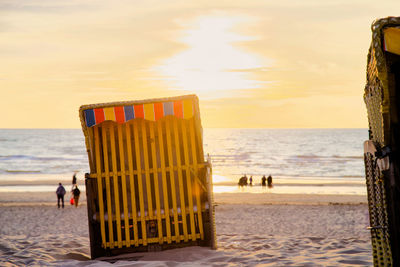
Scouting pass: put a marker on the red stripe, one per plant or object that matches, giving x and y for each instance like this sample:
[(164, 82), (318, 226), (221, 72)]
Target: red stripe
[(158, 110), (139, 113), (99, 115), (119, 114), (178, 109)]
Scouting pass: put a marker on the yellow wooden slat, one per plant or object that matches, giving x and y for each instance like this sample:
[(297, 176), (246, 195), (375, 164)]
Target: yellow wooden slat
[(180, 179), (116, 185), (391, 40), (123, 183), (131, 182), (140, 182), (155, 177), (175, 168), (196, 178), (172, 176), (147, 218), (99, 185), (164, 180), (147, 170), (108, 188), (188, 178), (155, 239)]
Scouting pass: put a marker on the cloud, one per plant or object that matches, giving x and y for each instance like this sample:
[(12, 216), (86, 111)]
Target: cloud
[(270, 54), (46, 6)]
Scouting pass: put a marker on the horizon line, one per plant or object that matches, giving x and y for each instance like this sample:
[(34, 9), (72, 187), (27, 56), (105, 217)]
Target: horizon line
[(250, 128)]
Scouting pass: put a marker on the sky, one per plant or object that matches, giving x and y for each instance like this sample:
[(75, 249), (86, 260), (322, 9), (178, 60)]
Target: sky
[(253, 64)]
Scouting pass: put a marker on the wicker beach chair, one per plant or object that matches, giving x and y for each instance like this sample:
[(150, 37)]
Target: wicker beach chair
[(382, 164), (149, 187)]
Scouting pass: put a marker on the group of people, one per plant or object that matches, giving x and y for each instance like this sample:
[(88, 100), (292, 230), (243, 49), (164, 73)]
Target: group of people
[(244, 181), (75, 193)]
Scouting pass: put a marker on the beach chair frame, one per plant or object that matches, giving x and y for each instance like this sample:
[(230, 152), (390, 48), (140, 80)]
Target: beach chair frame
[(382, 164), (148, 176)]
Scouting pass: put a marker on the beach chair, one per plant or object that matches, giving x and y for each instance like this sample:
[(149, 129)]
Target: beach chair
[(149, 187), (382, 162)]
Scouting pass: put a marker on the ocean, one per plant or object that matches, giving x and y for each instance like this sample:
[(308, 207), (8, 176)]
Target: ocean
[(314, 161)]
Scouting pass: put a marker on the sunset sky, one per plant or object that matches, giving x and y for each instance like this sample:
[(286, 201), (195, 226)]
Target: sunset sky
[(253, 64)]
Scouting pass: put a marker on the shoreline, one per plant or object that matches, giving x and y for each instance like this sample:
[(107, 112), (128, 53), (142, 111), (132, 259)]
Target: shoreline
[(267, 198), (288, 199), (278, 182), (300, 185)]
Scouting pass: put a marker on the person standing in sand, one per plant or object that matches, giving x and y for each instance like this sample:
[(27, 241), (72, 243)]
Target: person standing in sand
[(73, 180), (263, 181), (60, 194), (269, 181), (243, 181), (76, 192)]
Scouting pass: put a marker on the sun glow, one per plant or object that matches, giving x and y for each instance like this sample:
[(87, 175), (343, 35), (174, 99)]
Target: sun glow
[(212, 65)]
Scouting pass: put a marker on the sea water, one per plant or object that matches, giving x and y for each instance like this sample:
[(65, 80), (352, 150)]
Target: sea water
[(322, 161)]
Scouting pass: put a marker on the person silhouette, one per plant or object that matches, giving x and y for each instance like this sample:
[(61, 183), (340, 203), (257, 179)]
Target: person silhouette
[(76, 192), (60, 194), (243, 181), (74, 179), (263, 181), (269, 181)]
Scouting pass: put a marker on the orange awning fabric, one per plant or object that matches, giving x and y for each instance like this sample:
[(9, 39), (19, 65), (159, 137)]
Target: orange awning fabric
[(151, 111)]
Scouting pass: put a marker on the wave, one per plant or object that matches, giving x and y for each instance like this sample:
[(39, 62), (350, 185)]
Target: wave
[(328, 157), (281, 152), (297, 177), (28, 157), (14, 157), (233, 156), (294, 184), (348, 157), (22, 171)]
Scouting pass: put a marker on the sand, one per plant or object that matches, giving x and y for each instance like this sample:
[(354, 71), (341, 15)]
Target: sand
[(252, 230)]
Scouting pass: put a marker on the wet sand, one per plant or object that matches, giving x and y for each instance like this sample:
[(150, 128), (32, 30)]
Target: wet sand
[(252, 230)]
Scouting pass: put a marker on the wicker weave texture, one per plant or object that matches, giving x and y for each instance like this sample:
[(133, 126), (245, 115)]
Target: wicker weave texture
[(381, 250), (376, 97)]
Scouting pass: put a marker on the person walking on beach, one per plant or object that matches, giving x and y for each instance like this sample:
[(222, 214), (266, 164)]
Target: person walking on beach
[(251, 180), (60, 194), (263, 181), (243, 181), (76, 192), (269, 181), (74, 179)]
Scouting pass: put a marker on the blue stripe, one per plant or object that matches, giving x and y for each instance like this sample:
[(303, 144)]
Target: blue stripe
[(89, 116), (168, 108), (129, 113)]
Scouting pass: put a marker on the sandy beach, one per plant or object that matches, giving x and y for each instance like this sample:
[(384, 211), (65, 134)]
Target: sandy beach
[(252, 230)]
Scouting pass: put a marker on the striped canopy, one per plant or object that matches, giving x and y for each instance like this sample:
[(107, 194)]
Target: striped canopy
[(150, 111)]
